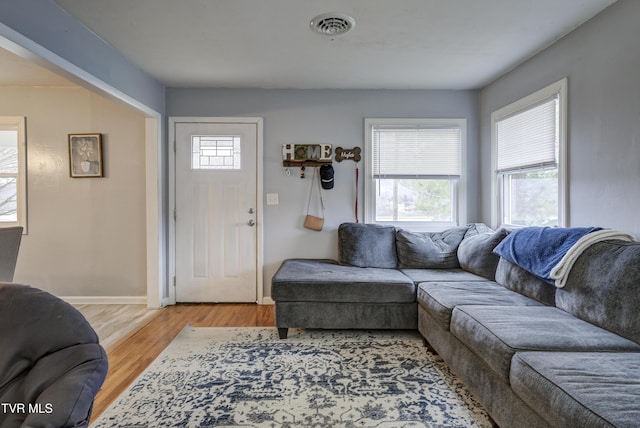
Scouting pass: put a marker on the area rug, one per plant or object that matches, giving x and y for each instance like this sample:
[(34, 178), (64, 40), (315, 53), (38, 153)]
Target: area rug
[(231, 377)]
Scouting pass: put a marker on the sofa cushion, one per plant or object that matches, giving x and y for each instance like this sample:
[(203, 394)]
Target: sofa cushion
[(439, 298), (496, 333), (367, 245), (299, 280), (475, 253), (519, 280), (429, 250), (591, 389), (602, 287), (441, 275)]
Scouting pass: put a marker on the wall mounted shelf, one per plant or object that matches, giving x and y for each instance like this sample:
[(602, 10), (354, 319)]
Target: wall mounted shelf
[(306, 164)]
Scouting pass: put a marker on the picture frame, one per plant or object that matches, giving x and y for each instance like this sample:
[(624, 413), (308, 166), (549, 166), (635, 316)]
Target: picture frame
[(85, 155)]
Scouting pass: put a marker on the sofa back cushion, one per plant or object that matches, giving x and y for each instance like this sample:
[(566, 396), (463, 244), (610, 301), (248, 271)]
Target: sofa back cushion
[(603, 288), (475, 252), (429, 250), (513, 277), (367, 245)]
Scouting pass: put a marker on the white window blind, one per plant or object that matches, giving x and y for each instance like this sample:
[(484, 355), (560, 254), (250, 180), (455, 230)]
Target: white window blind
[(528, 138), (416, 152)]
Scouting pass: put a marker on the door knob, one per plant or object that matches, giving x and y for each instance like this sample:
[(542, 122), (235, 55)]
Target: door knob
[(251, 223)]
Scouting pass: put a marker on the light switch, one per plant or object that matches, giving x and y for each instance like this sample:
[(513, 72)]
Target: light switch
[(272, 199)]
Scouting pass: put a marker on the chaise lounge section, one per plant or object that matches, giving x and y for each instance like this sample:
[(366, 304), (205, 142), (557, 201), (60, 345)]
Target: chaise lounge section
[(373, 285), (325, 294)]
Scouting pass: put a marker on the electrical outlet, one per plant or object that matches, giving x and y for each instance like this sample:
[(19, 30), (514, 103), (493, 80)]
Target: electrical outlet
[(272, 199)]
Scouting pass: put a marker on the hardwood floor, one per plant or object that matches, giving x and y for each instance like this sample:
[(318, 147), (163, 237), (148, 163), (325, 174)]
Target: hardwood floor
[(113, 323), (131, 355)]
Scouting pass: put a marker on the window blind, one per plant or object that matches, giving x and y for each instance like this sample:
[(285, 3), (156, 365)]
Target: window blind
[(528, 138), (416, 152)]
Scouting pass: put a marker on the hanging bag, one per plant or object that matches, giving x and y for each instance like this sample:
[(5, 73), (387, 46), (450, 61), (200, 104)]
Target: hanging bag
[(310, 221)]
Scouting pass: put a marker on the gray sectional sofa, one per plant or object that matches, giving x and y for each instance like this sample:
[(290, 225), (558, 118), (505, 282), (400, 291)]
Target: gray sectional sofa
[(533, 354)]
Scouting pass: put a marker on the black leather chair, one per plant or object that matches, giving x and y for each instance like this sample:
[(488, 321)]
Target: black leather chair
[(51, 364)]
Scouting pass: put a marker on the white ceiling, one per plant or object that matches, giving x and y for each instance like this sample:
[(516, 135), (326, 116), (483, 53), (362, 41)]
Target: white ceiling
[(396, 44)]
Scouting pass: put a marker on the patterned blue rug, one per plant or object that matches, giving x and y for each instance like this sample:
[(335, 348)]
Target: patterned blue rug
[(231, 377)]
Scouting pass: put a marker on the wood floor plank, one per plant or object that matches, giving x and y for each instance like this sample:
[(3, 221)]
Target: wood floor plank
[(131, 356), (113, 323)]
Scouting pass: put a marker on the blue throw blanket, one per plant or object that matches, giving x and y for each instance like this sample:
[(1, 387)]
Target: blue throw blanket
[(539, 249)]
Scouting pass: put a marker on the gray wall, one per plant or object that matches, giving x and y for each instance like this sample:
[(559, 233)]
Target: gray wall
[(602, 62), (321, 116)]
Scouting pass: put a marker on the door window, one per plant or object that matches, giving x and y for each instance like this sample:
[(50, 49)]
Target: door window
[(216, 152)]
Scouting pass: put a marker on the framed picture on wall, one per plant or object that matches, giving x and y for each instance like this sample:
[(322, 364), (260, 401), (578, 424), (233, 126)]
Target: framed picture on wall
[(85, 155)]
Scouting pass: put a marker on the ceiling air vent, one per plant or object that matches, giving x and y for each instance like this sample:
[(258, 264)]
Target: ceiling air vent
[(332, 24)]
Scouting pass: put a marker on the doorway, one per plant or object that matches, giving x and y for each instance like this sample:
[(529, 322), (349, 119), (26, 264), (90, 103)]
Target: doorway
[(217, 210)]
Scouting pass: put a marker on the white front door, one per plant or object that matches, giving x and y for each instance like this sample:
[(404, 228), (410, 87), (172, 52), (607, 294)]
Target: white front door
[(216, 212)]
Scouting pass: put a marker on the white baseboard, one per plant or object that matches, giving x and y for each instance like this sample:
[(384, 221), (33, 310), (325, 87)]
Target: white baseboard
[(126, 300), (105, 300)]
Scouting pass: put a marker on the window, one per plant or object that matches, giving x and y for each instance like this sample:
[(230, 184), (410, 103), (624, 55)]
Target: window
[(13, 172), (529, 146), (215, 152), (414, 172)]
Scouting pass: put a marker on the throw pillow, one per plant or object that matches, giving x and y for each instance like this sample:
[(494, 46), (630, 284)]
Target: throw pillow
[(429, 250), (367, 245), (475, 253)]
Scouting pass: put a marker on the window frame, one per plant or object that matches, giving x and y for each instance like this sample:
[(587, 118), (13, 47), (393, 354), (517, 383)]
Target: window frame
[(18, 124), (558, 89), (459, 185)]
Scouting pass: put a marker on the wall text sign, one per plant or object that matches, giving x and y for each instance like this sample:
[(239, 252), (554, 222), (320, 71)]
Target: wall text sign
[(306, 152)]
